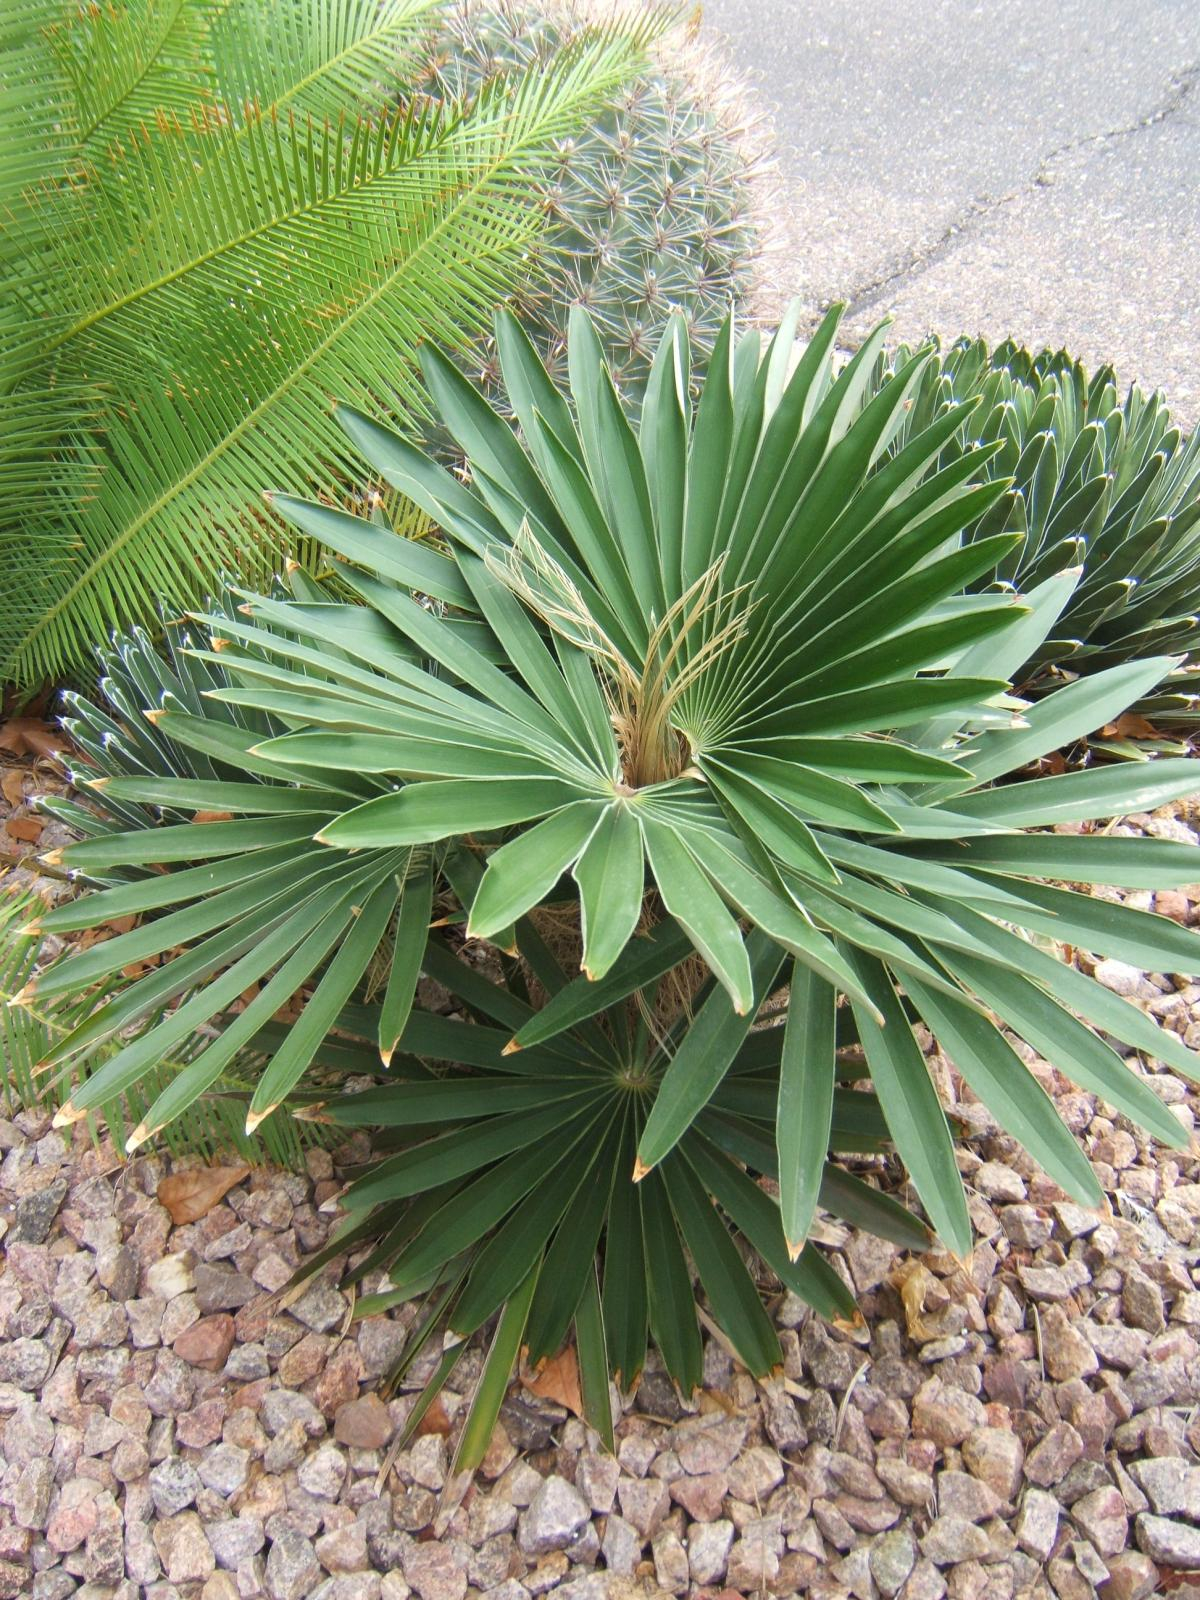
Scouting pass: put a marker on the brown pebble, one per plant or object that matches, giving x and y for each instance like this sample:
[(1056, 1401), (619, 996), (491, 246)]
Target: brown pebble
[(206, 1343), (363, 1424)]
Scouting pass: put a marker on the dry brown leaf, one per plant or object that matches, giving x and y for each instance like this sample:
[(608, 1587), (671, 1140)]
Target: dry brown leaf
[(12, 784), (917, 1285), (558, 1380), (48, 744), (213, 816), (711, 1401), (27, 829), (435, 1420), (1129, 725), (188, 1196), (31, 736)]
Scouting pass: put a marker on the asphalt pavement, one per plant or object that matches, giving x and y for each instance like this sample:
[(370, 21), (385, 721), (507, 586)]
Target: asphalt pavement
[(1027, 168)]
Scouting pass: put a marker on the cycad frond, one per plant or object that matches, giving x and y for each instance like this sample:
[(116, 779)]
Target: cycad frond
[(121, 65), (311, 58), (35, 139), (29, 1031), (217, 281), (190, 214), (123, 68)]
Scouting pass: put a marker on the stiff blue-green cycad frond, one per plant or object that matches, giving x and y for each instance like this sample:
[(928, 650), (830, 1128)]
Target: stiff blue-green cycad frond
[(1109, 485)]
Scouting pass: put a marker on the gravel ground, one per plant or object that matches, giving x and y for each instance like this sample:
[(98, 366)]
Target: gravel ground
[(1022, 1424)]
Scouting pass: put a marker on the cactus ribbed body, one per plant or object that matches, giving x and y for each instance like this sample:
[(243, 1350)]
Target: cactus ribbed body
[(651, 207)]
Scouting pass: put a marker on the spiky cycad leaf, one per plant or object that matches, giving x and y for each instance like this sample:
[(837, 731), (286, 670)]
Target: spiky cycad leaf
[(1109, 485), (30, 1031), (28, 111), (74, 78)]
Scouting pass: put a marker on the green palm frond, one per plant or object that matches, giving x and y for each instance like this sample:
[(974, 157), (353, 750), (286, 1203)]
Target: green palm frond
[(212, 279), (125, 88), (72, 79), (24, 1037)]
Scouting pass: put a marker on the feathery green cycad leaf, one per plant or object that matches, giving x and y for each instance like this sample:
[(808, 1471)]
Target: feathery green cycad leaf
[(212, 272)]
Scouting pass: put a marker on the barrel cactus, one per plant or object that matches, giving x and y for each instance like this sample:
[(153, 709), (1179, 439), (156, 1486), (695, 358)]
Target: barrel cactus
[(1108, 484), (654, 208)]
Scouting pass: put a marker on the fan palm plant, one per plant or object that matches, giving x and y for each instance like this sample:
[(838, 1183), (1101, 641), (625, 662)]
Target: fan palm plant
[(235, 222), (1108, 485), (701, 710)]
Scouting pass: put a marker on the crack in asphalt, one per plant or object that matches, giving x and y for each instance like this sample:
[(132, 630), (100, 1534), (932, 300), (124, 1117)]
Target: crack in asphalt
[(1182, 83)]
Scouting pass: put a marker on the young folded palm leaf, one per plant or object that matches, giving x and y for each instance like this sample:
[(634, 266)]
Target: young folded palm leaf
[(217, 269), (714, 693)]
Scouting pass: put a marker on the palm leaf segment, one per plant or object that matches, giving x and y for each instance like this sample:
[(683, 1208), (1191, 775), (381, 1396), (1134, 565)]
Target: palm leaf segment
[(211, 274), (719, 684), (1112, 486)]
